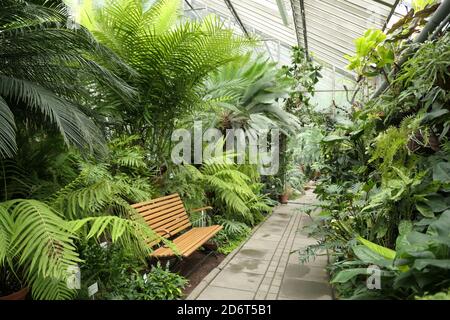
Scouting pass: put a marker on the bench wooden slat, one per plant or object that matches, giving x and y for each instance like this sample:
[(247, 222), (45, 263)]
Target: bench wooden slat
[(166, 219), (190, 241), (152, 215), (191, 237), (141, 204), (159, 206), (195, 246)]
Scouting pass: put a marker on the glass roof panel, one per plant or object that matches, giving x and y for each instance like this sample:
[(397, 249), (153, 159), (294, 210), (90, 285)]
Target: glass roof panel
[(331, 25)]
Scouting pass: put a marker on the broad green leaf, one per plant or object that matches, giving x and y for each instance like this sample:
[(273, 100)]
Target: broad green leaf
[(332, 138), (382, 251), (405, 227), (437, 202), (345, 275), (420, 264), (434, 114), (370, 257), (441, 227), (425, 210), (441, 172)]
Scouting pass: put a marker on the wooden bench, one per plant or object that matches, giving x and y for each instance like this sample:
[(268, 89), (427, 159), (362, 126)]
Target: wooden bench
[(168, 217)]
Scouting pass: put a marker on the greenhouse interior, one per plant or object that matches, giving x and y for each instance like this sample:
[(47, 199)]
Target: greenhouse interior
[(224, 150)]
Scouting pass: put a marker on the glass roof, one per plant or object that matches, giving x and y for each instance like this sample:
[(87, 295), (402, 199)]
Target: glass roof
[(326, 28), (331, 25)]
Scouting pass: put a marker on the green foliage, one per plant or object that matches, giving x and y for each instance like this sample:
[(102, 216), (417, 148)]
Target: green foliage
[(232, 193), (108, 266), (171, 59), (231, 236), (384, 189), (306, 75), (418, 5), (249, 92), (372, 53), (52, 95), (158, 284), (419, 265), (120, 276), (445, 295)]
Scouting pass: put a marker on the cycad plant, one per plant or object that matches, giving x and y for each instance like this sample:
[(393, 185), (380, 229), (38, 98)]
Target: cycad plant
[(171, 58), (46, 70)]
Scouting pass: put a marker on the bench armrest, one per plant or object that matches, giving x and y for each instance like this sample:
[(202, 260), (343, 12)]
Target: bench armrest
[(201, 209), (164, 230)]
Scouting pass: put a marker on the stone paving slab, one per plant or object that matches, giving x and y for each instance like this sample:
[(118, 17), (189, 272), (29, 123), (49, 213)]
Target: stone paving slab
[(219, 293), (264, 268)]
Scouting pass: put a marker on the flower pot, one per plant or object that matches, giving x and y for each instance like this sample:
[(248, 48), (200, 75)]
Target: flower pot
[(284, 198), (18, 295)]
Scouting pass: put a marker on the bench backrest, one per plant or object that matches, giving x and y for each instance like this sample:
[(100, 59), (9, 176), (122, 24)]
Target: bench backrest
[(165, 214)]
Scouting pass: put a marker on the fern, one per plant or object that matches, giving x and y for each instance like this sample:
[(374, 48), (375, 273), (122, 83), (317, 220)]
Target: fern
[(233, 228), (40, 237), (390, 147), (129, 233)]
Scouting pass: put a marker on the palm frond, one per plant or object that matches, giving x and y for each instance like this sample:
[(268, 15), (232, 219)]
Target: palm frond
[(8, 145)]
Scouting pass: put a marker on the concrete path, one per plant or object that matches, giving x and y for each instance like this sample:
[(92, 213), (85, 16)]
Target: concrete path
[(263, 268)]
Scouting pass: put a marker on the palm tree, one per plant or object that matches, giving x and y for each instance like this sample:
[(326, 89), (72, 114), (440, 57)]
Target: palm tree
[(172, 58), (46, 72), (250, 93)]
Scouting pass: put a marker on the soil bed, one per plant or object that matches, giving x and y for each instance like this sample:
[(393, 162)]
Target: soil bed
[(186, 268)]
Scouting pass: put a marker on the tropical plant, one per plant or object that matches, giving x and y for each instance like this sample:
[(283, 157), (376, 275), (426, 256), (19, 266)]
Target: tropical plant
[(37, 240), (306, 74), (231, 192), (384, 191), (249, 93), (420, 264), (158, 284), (39, 237), (45, 70), (171, 59)]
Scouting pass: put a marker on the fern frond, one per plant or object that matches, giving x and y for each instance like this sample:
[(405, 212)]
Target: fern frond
[(130, 233), (6, 226), (41, 239), (48, 288)]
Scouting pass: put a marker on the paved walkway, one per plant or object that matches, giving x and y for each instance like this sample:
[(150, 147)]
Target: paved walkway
[(263, 268)]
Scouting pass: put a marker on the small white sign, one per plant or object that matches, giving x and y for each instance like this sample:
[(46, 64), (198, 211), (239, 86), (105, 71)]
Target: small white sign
[(104, 245), (93, 289)]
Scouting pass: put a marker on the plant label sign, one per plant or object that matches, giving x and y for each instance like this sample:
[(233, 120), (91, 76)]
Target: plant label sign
[(92, 289)]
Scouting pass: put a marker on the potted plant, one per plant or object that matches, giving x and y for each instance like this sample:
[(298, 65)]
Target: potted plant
[(287, 192), (11, 286)]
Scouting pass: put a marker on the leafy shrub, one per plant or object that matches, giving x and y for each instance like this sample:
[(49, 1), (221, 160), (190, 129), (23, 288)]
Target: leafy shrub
[(231, 236), (158, 284), (384, 189), (444, 295), (120, 276), (109, 266)]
